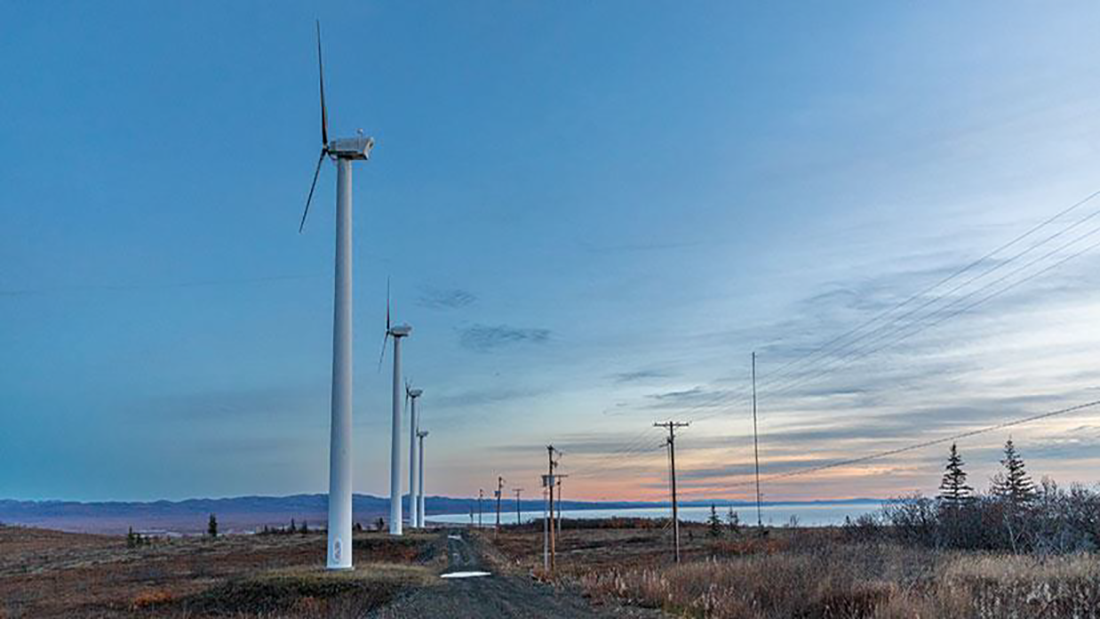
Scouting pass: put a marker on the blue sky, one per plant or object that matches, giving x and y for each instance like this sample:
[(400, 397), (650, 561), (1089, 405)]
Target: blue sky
[(591, 213)]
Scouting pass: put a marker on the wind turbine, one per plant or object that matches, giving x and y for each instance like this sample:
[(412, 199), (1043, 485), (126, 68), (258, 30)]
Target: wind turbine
[(420, 484), (396, 332), (414, 427), (342, 151)]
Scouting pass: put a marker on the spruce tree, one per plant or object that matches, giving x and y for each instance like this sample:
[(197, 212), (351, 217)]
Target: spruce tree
[(212, 526), (1014, 485), (714, 523), (953, 489)]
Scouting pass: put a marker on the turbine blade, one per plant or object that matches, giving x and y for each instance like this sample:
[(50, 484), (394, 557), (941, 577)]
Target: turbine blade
[(387, 304), (382, 357), (321, 75), (312, 186)]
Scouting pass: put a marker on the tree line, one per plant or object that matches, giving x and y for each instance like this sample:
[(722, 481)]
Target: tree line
[(1015, 514)]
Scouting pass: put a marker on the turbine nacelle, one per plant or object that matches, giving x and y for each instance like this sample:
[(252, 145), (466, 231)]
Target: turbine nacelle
[(401, 330), (415, 393), (356, 148)]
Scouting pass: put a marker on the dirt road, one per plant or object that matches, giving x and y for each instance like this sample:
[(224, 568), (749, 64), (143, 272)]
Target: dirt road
[(493, 595)]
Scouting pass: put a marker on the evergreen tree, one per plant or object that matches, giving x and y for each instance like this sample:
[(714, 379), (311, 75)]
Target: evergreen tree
[(1014, 485), (293, 526), (714, 524), (953, 489), (131, 540), (212, 526), (305, 528)]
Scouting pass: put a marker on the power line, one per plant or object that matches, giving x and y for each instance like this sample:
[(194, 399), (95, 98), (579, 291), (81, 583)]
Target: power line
[(923, 444), (863, 352), (785, 370), (903, 335), (831, 365), (950, 277)]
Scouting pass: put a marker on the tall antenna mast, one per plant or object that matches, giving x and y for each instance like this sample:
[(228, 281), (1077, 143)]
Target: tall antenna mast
[(756, 446), (672, 425)]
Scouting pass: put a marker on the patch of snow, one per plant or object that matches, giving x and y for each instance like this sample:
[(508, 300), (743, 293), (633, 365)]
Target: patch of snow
[(465, 575)]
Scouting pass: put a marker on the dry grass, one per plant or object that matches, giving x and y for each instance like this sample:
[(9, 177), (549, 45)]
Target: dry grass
[(813, 574), (862, 582), (50, 574)]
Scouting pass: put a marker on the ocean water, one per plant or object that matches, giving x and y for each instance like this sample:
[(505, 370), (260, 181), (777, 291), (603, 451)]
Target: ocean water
[(808, 515)]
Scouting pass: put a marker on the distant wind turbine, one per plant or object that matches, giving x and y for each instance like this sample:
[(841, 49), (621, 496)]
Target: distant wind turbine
[(342, 151), (414, 427), (396, 332), (420, 484)]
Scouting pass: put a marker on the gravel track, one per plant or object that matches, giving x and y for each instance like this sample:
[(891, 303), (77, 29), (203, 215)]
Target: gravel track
[(497, 595)]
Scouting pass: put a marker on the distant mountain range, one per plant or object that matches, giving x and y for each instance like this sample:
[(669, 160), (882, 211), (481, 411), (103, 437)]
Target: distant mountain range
[(249, 513)]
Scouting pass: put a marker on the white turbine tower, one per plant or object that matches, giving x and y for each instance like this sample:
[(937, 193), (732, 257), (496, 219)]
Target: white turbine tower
[(414, 427), (396, 332), (420, 484), (342, 151)]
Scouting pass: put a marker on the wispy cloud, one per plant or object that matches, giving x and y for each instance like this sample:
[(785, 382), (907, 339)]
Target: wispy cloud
[(444, 299), (482, 397), (222, 404), (484, 338), (641, 246), (640, 375), (699, 397)]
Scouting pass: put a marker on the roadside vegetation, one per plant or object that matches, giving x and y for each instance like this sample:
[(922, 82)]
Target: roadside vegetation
[(1019, 550)]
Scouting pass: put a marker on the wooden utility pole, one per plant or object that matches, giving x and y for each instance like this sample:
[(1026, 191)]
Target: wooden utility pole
[(480, 495), (519, 511), (549, 481), (672, 425), (545, 530), (756, 447), (500, 490)]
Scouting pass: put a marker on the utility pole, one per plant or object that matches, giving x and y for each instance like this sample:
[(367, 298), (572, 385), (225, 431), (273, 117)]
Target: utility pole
[(549, 481), (756, 447), (519, 512), (480, 494), (672, 425), (500, 490), (545, 530)]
